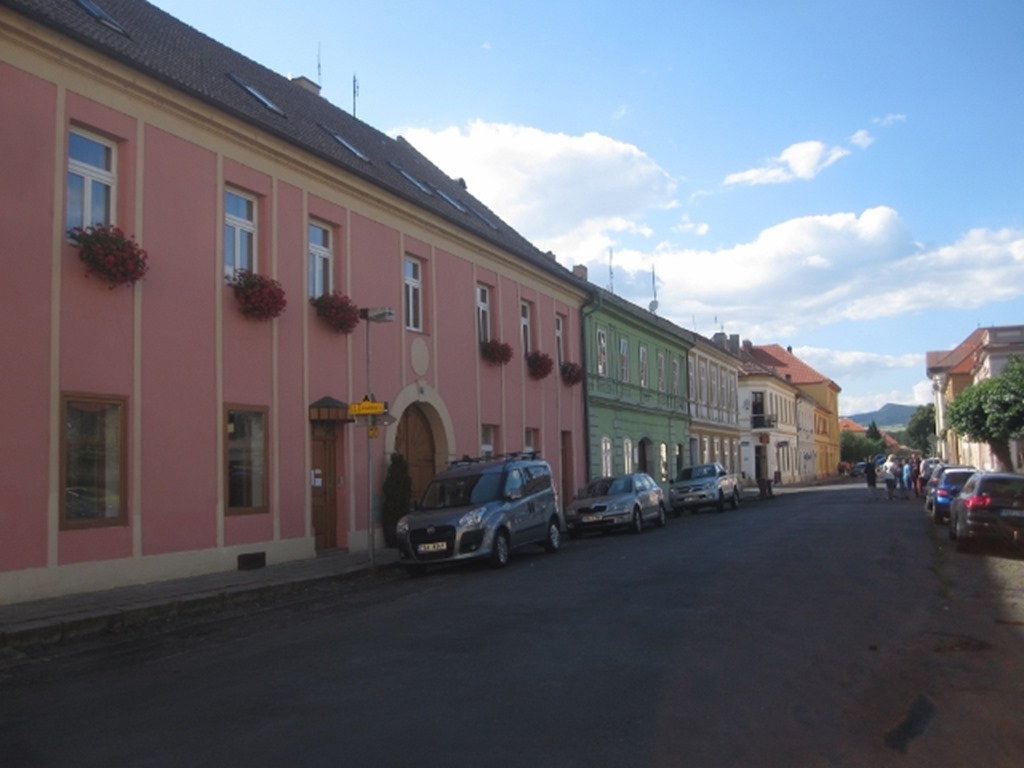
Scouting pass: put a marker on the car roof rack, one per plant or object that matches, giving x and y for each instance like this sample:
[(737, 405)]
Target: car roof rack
[(467, 460)]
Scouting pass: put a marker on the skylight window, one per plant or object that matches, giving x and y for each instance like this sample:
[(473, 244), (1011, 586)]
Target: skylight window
[(101, 16), (255, 93), (347, 145), (450, 200), (483, 218), (411, 179)]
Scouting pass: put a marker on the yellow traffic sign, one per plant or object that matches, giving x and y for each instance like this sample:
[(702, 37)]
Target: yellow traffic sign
[(366, 408)]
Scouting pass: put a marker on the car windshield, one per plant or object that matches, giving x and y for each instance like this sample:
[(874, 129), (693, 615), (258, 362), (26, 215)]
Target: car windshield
[(597, 488), (462, 491), (620, 485), (696, 473), (1004, 487), (956, 477)]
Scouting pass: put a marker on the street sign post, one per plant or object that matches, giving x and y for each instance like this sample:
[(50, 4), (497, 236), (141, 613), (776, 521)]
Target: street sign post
[(366, 408)]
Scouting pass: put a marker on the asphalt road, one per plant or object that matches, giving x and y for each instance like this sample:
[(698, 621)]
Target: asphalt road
[(816, 629)]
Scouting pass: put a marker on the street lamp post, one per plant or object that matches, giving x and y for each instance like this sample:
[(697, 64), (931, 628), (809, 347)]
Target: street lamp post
[(371, 315)]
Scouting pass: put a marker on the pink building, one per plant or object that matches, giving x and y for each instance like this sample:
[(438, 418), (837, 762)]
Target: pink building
[(151, 430)]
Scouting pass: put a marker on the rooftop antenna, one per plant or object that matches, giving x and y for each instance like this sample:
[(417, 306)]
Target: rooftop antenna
[(319, 75), (653, 306), (355, 93), (611, 274)]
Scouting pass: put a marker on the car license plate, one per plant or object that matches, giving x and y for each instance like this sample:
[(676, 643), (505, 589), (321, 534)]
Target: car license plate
[(1012, 513), (591, 518), (433, 546)]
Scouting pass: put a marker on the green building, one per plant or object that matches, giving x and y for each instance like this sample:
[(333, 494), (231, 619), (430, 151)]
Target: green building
[(636, 402)]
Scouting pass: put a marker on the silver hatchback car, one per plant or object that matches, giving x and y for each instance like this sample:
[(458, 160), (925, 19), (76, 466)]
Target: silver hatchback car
[(629, 501), (482, 508)]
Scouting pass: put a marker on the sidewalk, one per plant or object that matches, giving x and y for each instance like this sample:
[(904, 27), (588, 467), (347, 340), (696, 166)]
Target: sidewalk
[(57, 619)]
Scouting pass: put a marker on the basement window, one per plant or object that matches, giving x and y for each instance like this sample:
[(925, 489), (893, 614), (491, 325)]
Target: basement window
[(255, 93), (101, 16)]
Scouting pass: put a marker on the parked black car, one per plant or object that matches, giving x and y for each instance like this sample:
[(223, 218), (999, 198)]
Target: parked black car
[(938, 496), (990, 506)]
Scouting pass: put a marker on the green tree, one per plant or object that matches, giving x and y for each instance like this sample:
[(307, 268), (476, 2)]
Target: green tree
[(873, 431), (396, 496), (921, 429), (854, 447), (992, 411)]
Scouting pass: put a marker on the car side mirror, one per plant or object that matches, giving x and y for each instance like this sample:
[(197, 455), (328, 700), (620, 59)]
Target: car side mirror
[(514, 494)]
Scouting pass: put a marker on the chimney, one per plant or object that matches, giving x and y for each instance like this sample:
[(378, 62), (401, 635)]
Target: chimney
[(580, 270), (734, 343), (789, 349), (305, 83)]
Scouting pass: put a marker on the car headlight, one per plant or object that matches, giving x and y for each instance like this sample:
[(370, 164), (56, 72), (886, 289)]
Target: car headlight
[(617, 507), (472, 519), (402, 527)]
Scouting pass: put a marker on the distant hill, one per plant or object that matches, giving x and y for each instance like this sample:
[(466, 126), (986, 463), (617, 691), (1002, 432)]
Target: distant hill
[(889, 416)]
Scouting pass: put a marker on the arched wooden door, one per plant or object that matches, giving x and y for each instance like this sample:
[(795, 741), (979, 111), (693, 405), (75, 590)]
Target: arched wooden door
[(415, 441)]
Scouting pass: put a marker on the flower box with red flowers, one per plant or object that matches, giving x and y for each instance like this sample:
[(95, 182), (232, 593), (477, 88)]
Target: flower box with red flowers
[(337, 310), (495, 352), (110, 254), (539, 364), (572, 373), (259, 297)]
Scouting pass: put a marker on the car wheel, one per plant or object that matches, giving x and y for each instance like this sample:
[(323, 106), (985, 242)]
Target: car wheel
[(720, 505), (500, 550), (553, 541), (660, 519), (638, 521), (734, 502)]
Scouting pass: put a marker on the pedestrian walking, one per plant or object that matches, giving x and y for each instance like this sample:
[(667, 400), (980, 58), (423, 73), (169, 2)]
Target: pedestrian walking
[(871, 477), (889, 471), (907, 483)]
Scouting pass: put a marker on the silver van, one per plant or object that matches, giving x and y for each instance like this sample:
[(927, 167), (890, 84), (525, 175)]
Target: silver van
[(482, 508)]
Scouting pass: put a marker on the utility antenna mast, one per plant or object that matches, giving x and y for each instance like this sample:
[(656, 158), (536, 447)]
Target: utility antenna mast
[(653, 306), (355, 93), (319, 73), (611, 273)]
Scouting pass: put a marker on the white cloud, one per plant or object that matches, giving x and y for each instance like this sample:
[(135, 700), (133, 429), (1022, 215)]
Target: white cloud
[(889, 120), (862, 139), (549, 184), (802, 161)]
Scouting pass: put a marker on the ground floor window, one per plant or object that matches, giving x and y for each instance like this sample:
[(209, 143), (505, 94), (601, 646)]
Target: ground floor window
[(93, 476), (246, 466)]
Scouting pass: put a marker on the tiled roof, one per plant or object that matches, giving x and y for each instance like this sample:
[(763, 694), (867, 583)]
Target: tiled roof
[(958, 360), (168, 50), (785, 363), (848, 425)]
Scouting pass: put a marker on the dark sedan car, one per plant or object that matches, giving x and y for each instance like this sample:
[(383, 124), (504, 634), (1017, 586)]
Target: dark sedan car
[(990, 506), (948, 482), (628, 501)]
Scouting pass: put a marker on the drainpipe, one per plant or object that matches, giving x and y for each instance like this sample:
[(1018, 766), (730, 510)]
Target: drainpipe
[(586, 310)]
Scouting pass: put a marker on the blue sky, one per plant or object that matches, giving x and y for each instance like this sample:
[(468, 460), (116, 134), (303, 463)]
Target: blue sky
[(841, 177)]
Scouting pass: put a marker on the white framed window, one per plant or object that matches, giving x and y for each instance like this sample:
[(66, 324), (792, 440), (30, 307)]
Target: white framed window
[(663, 462), (643, 365), (627, 455), (483, 313), (602, 353), (559, 340), (92, 180), (525, 332), (321, 260), (624, 360), (488, 439), (691, 377), (413, 294), (606, 456), (677, 379), (239, 232), (661, 371)]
